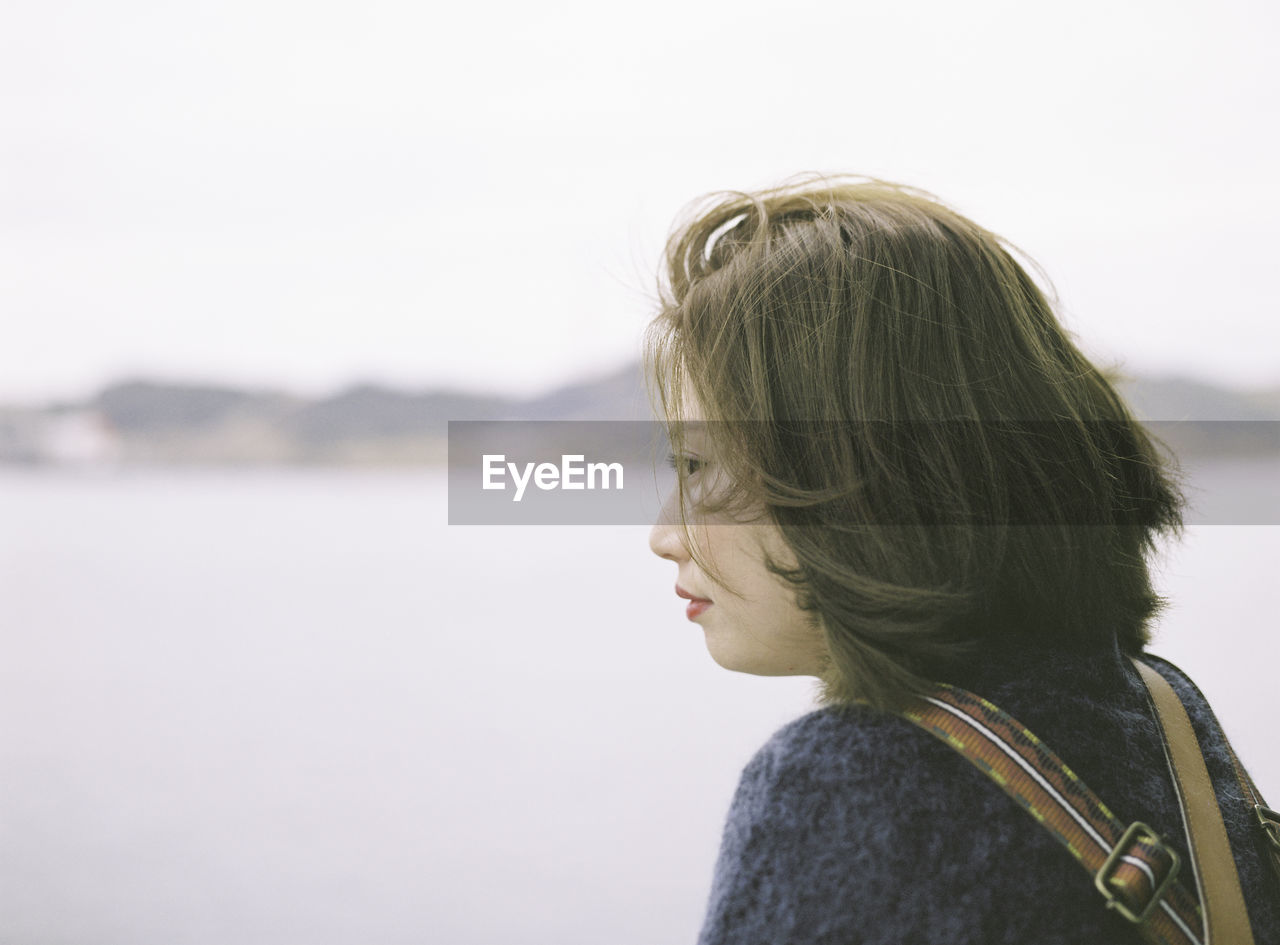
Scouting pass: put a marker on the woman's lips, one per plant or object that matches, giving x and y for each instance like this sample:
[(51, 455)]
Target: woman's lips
[(697, 605)]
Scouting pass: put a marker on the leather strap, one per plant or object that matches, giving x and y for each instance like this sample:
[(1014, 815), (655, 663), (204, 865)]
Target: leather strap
[(1226, 918)]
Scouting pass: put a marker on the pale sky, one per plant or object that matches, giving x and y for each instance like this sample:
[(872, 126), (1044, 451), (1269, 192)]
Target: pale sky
[(310, 194)]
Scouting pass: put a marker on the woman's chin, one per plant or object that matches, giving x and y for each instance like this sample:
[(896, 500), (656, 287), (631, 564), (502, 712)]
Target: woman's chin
[(741, 660)]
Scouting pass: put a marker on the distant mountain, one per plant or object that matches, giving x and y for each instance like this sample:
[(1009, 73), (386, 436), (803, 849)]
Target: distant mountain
[(617, 396), (1176, 398), (141, 421), (144, 406), (370, 411)]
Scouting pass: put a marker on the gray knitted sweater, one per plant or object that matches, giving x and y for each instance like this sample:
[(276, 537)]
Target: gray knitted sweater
[(856, 827)]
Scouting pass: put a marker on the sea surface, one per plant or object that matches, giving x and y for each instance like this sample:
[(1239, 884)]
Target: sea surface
[(298, 708)]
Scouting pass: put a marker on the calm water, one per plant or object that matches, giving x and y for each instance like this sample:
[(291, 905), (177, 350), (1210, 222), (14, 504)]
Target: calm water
[(297, 707)]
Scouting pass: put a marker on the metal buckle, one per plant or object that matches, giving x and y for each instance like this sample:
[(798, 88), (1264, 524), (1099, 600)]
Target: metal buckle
[(1124, 845), (1270, 821)]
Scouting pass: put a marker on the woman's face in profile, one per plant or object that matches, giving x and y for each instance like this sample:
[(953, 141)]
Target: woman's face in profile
[(751, 622)]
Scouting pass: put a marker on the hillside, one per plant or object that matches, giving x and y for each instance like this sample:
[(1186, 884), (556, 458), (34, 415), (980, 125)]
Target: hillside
[(145, 422)]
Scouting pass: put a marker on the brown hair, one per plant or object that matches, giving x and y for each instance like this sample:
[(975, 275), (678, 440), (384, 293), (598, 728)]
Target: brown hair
[(950, 472)]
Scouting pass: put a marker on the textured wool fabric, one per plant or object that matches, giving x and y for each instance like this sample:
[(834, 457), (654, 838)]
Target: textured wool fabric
[(854, 826)]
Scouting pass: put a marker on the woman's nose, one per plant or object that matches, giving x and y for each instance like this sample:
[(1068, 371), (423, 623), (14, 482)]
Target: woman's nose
[(665, 539)]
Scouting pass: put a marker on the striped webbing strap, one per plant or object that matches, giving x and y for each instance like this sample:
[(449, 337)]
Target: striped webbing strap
[(1132, 867)]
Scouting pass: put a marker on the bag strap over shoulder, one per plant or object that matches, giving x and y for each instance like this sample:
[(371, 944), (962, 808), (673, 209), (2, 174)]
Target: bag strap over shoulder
[(1265, 819), (1226, 918), (1132, 867)]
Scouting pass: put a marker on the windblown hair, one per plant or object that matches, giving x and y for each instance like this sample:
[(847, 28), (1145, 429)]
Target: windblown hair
[(895, 392)]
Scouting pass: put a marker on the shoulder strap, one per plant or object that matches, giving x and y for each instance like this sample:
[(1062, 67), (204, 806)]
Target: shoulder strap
[(1132, 867), (1226, 918), (1266, 819)]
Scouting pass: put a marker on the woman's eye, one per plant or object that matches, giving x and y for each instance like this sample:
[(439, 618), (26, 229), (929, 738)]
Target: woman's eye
[(688, 464)]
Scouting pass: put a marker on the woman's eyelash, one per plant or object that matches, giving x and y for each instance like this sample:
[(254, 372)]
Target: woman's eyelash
[(691, 464)]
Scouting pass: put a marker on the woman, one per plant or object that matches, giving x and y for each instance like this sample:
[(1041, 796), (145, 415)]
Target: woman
[(908, 475)]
